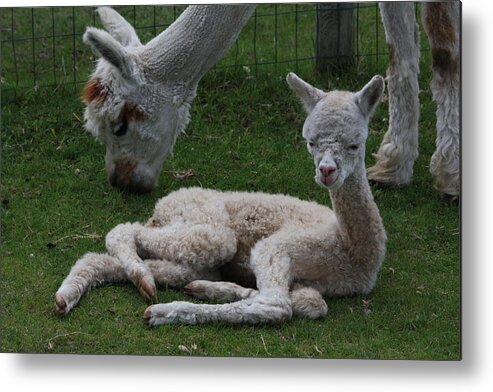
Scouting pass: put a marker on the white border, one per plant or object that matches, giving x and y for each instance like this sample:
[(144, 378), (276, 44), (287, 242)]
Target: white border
[(473, 373)]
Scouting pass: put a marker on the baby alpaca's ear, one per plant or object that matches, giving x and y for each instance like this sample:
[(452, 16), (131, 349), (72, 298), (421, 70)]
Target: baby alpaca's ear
[(308, 95), (369, 96)]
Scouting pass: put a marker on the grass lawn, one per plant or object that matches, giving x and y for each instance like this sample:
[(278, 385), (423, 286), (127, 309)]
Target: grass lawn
[(245, 134)]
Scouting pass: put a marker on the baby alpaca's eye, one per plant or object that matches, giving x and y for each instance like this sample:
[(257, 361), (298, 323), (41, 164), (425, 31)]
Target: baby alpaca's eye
[(311, 144), (353, 147)]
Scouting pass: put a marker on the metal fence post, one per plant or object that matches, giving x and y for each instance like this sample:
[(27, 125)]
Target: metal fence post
[(334, 36)]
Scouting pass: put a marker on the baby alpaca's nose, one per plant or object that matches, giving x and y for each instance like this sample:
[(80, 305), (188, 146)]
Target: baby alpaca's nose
[(327, 170)]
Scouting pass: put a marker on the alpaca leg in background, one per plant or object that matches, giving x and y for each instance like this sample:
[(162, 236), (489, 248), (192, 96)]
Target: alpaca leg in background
[(399, 148), (442, 24), (89, 271)]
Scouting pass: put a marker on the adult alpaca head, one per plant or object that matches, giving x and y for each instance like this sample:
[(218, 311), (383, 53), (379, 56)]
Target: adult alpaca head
[(139, 96)]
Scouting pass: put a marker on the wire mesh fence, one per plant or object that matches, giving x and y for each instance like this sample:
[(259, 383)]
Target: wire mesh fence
[(42, 47)]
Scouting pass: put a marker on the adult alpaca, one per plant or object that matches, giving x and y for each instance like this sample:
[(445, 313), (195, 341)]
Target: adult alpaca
[(399, 148), (287, 252), (138, 98)]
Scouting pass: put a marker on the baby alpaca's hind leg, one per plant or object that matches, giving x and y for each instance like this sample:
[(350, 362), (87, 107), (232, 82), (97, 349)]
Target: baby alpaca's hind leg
[(89, 271), (307, 302), (201, 246), (218, 291), (176, 275), (122, 243), (188, 252)]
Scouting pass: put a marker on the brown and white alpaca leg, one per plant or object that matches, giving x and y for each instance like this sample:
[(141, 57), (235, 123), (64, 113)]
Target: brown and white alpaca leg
[(305, 301), (89, 271), (272, 268), (441, 22), (399, 148)]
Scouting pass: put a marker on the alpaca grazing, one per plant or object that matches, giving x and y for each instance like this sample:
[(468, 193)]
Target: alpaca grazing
[(266, 257), (139, 96), (399, 148)]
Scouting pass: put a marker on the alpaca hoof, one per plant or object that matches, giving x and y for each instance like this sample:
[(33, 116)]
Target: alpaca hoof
[(61, 305), (147, 316), (450, 199), (379, 184), (195, 289), (170, 313), (155, 315), (147, 289)]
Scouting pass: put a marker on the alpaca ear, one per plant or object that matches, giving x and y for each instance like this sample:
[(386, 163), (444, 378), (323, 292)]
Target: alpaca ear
[(112, 51), (308, 95), (369, 96), (118, 27)]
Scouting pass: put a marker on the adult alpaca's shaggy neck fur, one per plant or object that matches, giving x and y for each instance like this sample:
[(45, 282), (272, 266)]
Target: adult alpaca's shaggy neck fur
[(195, 42)]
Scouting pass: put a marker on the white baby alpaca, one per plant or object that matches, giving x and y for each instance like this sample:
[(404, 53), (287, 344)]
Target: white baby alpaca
[(269, 257)]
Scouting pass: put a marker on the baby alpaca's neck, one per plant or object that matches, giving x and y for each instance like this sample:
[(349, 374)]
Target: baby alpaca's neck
[(360, 225)]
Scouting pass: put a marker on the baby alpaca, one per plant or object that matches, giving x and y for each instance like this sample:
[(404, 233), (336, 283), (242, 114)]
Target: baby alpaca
[(268, 257)]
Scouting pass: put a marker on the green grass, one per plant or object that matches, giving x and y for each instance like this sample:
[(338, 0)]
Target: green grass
[(245, 134)]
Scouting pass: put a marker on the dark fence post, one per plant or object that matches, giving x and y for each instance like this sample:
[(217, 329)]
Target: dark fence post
[(334, 39)]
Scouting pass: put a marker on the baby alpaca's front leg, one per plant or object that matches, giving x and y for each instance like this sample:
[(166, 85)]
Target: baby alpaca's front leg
[(305, 301), (121, 243)]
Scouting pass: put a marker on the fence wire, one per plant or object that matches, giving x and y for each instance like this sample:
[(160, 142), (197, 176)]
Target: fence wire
[(42, 47)]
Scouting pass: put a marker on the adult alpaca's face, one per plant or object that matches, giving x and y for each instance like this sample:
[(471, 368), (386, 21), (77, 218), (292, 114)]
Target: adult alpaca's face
[(138, 124), (129, 107)]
